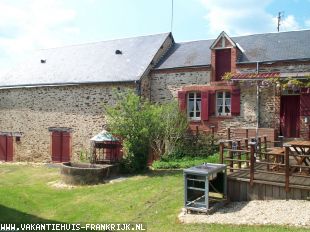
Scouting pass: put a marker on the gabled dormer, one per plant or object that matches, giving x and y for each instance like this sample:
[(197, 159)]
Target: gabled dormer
[(223, 56)]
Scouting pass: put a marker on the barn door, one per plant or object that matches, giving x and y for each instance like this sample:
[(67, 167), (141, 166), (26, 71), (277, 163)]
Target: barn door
[(289, 116), (61, 146), (6, 148)]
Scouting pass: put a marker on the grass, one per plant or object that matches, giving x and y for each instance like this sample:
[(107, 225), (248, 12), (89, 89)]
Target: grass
[(154, 198), (185, 162)]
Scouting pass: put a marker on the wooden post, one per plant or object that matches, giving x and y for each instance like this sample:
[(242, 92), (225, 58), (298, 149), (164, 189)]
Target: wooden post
[(252, 162), (228, 133), (212, 129), (230, 155), (239, 152), (259, 149), (247, 133), (267, 157), (212, 132), (221, 152), (281, 140), (265, 143), (246, 144), (287, 168)]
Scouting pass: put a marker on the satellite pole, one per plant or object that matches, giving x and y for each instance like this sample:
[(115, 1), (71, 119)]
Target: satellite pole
[(171, 15)]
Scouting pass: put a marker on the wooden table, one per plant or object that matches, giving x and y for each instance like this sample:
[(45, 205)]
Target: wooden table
[(302, 149)]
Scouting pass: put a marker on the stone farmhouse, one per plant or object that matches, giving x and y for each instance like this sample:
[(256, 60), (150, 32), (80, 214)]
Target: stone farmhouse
[(51, 105)]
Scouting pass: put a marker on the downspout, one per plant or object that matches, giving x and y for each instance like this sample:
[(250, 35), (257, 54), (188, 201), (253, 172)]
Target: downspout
[(257, 101), (138, 87)]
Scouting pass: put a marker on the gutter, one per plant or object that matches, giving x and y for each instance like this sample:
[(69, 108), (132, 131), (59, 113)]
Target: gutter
[(273, 61), (63, 84)]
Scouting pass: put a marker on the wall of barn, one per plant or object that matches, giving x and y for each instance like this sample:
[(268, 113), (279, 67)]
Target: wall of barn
[(33, 110)]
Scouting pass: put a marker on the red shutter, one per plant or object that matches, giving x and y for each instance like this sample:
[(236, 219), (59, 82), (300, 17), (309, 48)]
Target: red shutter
[(9, 148), (305, 104), (211, 102), (2, 147), (235, 102), (204, 106), (56, 146), (182, 100), (66, 151)]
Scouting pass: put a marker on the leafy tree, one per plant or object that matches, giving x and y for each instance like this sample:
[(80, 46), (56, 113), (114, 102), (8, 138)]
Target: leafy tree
[(144, 127)]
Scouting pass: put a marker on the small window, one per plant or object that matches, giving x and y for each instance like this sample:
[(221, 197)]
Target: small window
[(194, 106), (223, 104)]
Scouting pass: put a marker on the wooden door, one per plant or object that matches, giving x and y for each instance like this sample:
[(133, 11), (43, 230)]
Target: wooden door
[(222, 63), (61, 146), (6, 148), (289, 116)]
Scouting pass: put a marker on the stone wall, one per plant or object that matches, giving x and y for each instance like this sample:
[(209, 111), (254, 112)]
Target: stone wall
[(145, 79), (166, 84), (33, 110)]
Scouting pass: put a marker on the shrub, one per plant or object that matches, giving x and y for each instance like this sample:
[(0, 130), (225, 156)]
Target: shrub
[(144, 127)]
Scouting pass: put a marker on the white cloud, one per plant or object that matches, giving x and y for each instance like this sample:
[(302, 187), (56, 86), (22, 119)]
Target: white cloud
[(243, 17), (307, 22), (32, 24)]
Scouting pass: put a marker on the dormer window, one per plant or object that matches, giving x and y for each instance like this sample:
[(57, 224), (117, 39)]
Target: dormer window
[(224, 57)]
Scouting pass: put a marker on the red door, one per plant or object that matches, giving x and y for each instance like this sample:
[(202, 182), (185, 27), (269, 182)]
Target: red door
[(222, 63), (6, 148), (61, 146), (289, 116)]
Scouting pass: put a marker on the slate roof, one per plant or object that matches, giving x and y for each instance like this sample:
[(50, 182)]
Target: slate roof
[(87, 63), (260, 47)]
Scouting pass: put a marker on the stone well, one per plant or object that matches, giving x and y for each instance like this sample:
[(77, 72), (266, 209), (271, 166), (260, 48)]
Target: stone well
[(79, 173)]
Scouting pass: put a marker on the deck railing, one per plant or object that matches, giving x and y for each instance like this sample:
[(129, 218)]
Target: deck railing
[(259, 156)]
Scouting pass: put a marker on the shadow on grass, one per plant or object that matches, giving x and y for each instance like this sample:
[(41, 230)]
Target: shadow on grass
[(9, 215)]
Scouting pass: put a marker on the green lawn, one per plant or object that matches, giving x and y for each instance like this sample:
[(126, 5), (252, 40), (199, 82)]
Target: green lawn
[(154, 199)]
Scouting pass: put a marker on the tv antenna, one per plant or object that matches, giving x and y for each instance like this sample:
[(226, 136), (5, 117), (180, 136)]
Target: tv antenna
[(280, 16)]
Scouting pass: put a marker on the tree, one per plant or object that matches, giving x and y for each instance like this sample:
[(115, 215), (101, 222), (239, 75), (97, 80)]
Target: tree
[(144, 127)]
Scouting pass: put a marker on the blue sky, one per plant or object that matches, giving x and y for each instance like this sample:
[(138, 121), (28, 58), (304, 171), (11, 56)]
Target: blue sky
[(27, 25)]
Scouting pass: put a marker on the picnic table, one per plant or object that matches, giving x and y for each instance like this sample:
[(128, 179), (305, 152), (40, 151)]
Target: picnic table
[(301, 148)]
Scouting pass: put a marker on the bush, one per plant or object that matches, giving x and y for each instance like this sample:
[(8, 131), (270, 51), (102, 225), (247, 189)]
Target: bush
[(191, 145), (144, 127)]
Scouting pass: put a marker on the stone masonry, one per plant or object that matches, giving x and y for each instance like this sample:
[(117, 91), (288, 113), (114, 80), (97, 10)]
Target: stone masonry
[(33, 110)]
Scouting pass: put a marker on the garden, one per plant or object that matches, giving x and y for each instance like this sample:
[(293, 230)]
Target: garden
[(154, 196)]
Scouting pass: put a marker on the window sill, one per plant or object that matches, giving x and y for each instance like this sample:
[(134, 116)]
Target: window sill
[(224, 116), (194, 120)]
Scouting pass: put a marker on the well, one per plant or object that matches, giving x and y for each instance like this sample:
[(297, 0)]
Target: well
[(80, 173)]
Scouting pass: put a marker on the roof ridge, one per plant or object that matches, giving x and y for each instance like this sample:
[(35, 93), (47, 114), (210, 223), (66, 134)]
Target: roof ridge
[(238, 36), (101, 41)]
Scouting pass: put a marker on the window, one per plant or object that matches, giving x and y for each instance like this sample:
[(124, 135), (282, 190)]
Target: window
[(194, 106), (223, 104)]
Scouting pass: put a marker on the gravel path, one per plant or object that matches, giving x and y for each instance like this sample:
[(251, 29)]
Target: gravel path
[(273, 212)]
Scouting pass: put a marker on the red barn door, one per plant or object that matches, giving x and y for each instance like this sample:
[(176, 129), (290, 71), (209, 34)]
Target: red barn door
[(6, 148), (61, 146), (289, 116)]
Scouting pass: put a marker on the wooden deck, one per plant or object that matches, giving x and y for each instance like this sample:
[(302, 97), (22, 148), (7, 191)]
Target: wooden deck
[(266, 186), (259, 170)]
